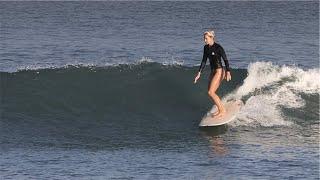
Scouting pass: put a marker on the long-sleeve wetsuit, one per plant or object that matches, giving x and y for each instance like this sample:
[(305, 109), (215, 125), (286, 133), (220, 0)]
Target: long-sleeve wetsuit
[(214, 53)]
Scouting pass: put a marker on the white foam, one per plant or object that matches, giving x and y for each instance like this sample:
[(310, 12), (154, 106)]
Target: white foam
[(144, 60), (269, 87), (173, 62), (260, 111), (115, 63)]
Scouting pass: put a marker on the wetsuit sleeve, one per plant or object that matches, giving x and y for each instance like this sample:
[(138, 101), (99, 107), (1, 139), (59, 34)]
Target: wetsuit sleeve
[(204, 60), (224, 57)]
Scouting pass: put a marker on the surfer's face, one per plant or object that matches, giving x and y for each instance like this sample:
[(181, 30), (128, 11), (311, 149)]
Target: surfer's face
[(208, 39)]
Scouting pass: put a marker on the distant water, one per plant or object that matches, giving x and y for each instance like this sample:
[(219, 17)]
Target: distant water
[(95, 90)]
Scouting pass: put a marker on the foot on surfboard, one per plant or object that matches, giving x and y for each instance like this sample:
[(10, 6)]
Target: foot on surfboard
[(218, 113), (214, 114), (232, 108)]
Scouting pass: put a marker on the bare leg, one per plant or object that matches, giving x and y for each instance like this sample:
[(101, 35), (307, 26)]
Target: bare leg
[(210, 80), (214, 84)]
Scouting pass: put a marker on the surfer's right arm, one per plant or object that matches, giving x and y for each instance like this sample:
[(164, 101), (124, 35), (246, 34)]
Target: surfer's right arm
[(204, 60), (202, 65)]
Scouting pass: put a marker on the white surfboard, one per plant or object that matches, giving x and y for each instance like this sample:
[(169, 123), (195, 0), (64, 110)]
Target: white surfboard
[(232, 107)]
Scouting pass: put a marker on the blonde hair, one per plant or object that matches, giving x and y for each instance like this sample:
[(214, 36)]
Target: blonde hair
[(210, 33)]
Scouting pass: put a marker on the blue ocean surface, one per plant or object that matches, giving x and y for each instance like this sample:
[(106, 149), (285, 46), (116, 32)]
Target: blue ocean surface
[(104, 90)]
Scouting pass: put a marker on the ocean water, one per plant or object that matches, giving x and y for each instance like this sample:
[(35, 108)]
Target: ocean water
[(104, 90)]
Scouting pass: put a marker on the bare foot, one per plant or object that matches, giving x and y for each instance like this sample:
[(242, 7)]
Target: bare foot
[(221, 113), (214, 114)]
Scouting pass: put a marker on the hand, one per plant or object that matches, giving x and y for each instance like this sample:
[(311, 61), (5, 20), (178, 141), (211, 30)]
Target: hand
[(228, 76), (197, 77)]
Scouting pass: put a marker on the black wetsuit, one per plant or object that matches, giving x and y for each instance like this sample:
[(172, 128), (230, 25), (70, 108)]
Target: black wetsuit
[(214, 53)]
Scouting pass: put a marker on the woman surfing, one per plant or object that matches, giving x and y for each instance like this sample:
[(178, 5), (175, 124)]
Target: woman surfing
[(214, 52)]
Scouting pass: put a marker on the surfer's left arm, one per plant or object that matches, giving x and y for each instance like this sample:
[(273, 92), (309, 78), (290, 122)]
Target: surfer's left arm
[(226, 62)]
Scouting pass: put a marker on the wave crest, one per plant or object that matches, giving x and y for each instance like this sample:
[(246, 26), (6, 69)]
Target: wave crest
[(269, 87)]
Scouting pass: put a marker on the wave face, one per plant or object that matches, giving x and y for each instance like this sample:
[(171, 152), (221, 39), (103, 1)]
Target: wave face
[(273, 95)]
